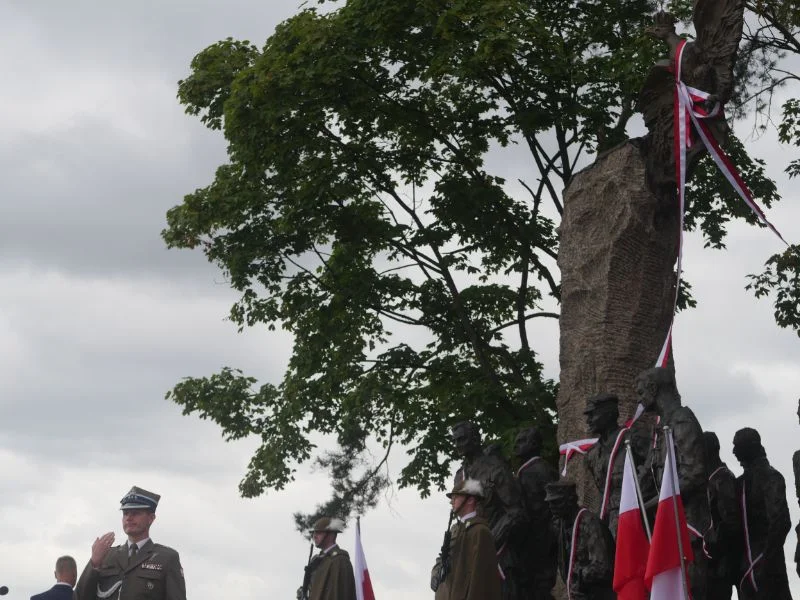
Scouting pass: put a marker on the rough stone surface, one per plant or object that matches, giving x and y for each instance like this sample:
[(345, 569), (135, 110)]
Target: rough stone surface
[(617, 242)]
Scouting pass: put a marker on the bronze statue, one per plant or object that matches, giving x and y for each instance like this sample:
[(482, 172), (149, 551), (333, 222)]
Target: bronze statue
[(536, 547), (765, 518), (585, 546), (602, 413), (658, 393), (502, 503), (724, 535)]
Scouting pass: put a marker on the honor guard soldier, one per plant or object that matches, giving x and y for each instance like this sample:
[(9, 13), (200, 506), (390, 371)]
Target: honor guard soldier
[(470, 570), (329, 574), (139, 569)]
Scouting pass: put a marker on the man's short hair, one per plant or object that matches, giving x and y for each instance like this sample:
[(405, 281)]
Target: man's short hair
[(66, 565)]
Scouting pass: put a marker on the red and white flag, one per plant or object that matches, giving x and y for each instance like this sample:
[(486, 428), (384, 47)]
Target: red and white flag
[(664, 576), (632, 545), (363, 583)]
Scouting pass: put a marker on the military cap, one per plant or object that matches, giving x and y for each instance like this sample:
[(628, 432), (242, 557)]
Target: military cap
[(327, 524), (747, 436), (139, 498), (560, 489), (598, 401), (467, 487)]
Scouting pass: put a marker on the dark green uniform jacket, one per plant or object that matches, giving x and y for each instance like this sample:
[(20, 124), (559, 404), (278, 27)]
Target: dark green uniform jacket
[(155, 573), (474, 574), (332, 578)]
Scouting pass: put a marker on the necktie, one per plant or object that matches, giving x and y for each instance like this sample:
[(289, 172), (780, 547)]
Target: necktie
[(133, 550)]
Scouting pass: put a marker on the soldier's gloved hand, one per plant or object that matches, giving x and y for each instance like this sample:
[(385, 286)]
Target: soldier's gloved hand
[(436, 573), (299, 593)]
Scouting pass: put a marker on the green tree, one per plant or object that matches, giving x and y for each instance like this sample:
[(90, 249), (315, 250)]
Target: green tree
[(771, 47), (358, 212)]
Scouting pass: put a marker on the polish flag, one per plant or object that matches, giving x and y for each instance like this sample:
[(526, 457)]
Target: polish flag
[(363, 583), (632, 545), (663, 574)]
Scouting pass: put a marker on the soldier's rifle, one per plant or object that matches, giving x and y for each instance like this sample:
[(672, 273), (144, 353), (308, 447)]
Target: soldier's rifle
[(445, 552), (303, 592)]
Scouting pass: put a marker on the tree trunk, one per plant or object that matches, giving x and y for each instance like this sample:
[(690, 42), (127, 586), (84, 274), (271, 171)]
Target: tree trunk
[(617, 254)]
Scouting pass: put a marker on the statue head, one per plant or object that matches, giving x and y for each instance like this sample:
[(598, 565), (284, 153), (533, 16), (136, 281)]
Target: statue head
[(528, 443), (711, 445), (663, 27), (747, 445), (655, 387), (562, 496), (466, 438), (602, 413)]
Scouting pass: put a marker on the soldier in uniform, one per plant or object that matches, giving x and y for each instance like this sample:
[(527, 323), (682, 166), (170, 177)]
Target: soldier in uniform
[(139, 569), (329, 575), (502, 502), (765, 519), (470, 572), (585, 546), (659, 395), (536, 548), (724, 535), (606, 459)]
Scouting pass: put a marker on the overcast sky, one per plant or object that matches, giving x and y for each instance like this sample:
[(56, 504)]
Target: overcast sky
[(98, 319)]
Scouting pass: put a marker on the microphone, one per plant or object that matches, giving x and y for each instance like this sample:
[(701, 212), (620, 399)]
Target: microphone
[(3, 590)]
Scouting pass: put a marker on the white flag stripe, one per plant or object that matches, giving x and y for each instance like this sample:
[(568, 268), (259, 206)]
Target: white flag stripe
[(628, 500), (668, 585)]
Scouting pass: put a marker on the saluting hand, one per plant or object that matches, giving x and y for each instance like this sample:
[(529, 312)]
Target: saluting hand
[(100, 548)]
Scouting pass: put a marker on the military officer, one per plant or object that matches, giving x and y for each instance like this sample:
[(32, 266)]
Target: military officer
[(329, 575), (139, 569)]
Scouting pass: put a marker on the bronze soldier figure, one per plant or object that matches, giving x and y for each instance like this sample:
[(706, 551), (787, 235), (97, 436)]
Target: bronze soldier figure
[(765, 520), (606, 459), (502, 503), (585, 546), (139, 569), (470, 572), (658, 393), (724, 535), (536, 547)]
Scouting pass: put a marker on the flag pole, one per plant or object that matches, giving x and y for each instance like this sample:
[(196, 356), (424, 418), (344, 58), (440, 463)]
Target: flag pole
[(674, 470), (638, 491)]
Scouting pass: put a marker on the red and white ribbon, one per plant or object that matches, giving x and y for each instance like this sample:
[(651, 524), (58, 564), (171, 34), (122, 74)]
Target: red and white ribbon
[(609, 471), (527, 463), (568, 449), (689, 109), (573, 550), (748, 574)]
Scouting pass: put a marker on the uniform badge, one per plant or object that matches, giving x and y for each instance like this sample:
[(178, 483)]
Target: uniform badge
[(150, 585), (152, 566)]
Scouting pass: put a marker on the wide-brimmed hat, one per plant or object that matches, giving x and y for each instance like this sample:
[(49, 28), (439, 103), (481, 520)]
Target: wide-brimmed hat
[(467, 487), (327, 524), (139, 498)]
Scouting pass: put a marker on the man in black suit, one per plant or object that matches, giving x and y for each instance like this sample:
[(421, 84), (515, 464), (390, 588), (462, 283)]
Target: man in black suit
[(66, 575)]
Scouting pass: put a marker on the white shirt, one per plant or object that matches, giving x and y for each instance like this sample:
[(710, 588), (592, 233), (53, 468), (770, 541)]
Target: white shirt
[(139, 544), (329, 548), (468, 516)]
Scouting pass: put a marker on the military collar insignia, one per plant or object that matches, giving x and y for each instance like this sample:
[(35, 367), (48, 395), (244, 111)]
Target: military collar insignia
[(152, 566)]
